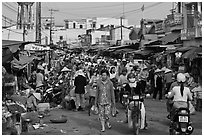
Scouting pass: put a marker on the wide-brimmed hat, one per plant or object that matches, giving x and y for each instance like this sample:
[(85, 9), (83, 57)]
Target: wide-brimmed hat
[(65, 69), (39, 85), (167, 70), (163, 69), (37, 96), (123, 59), (80, 72), (40, 67), (158, 70), (145, 67)]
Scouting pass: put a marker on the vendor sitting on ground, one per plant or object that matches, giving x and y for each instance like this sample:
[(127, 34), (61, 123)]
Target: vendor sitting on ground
[(32, 101)]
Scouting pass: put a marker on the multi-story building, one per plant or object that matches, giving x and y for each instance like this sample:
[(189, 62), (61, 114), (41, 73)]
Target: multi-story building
[(94, 23), (191, 33), (75, 24)]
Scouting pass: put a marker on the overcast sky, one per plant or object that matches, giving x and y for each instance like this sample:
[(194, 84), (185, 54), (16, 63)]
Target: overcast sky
[(72, 10)]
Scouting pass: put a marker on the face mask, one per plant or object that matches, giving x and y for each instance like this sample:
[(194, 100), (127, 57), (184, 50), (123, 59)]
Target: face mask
[(132, 80)]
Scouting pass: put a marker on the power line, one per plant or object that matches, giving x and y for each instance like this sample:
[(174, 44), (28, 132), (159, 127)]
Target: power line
[(94, 7), (8, 22), (8, 3), (13, 31), (10, 8), (8, 19), (139, 9)]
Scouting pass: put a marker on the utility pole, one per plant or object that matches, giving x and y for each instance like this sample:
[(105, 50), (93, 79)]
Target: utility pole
[(51, 13), (121, 24), (38, 22), (23, 20)]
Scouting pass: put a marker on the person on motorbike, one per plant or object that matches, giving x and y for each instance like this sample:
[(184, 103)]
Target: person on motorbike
[(180, 94), (134, 88), (122, 81)]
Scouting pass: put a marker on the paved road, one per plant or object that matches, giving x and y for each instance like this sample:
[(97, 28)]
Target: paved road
[(79, 123)]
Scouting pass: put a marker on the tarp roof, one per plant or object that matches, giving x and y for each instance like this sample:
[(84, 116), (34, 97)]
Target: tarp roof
[(142, 52), (13, 45), (184, 49), (192, 53), (171, 37), (23, 61)]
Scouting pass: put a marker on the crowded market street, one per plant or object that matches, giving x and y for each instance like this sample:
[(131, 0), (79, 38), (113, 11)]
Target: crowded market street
[(120, 75), (82, 124)]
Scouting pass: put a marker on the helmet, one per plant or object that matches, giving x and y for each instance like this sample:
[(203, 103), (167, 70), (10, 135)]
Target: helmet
[(124, 70), (181, 77), (131, 75)]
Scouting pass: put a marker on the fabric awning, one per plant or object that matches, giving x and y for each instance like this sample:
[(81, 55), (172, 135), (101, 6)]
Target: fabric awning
[(184, 49), (23, 61), (13, 45), (151, 41), (142, 52), (9, 47), (193, 53), (126, 50), (171, 37)]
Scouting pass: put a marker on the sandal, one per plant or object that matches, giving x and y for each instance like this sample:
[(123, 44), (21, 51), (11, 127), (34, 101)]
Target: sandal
[(109, 125), (103, 129)]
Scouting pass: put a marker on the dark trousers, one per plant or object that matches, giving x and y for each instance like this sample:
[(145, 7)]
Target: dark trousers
[(168, 85), (116, 95), (157, 89), (143, 86), (169, 105), (152, 88)]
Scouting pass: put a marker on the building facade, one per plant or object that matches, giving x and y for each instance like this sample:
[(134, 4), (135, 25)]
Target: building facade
[(75, 24), (94, 23), (116, 33)]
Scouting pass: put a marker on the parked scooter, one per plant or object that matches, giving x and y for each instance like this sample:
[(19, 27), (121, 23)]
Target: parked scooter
[(52, 95)]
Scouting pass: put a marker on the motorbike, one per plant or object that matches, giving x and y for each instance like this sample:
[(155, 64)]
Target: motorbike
[(180, 122), (52, 95), (125, 94), (135, 106)]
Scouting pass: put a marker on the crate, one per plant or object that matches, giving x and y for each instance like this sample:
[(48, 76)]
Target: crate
[(43, 106)]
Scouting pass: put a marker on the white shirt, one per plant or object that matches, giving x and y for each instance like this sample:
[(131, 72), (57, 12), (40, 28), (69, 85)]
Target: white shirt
[(177, 94)]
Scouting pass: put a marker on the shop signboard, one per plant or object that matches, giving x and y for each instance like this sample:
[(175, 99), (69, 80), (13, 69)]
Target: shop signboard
[(173, 21), (35, 47), (159, 27), (188, 33)]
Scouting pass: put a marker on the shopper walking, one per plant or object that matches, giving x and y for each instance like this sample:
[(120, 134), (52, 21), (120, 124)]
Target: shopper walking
[(105, 99), (80, 83), (158, 84)]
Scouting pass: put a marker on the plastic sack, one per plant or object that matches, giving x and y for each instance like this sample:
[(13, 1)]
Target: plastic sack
[(94, 110)]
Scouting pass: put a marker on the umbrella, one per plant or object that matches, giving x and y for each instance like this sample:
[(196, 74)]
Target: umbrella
[(167, 70), (158, 70), (16, 107), (65, 69)]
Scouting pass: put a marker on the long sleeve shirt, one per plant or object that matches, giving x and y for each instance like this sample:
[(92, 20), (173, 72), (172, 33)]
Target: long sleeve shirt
[(105, 93)]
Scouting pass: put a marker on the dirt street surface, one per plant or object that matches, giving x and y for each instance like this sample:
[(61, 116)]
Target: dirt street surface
[(79, 123)]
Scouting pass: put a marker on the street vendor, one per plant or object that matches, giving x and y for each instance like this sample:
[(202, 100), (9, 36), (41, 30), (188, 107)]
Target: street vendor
[(32, 100), (39, 76)]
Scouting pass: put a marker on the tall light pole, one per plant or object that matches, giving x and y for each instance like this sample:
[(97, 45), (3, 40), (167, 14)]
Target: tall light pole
[(51, 13), (38, 22)]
